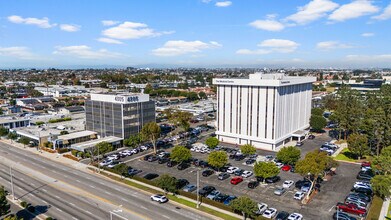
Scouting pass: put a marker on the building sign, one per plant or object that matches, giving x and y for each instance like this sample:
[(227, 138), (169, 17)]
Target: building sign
[(285, 82), (126, 99), (120, 99), (224, 81), (133, 99)]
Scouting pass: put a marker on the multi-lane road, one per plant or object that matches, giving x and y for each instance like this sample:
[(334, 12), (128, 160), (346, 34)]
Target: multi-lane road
[(64, 192)]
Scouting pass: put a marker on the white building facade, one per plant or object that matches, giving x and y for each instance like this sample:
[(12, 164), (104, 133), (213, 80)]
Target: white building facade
[(265, 110)]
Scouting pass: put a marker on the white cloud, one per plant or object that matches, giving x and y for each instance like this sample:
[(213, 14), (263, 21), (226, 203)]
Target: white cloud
[(180, 47), (70, 27), (268, 25), (17, 52), (109, 22), (109, 40), (385, 15), (368, 34), (330, 45), (223, 4), (312, 11), (369, 59), (272, 46), (353, 10), (84, 52), (42, 23), (131, 30)]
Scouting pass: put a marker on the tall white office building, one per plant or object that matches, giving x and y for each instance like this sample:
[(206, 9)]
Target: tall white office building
[(265, 110)]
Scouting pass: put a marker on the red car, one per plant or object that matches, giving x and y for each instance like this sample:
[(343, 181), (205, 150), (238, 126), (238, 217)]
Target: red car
[(286, 168), (236, 180), (366, 164), (351, 208)]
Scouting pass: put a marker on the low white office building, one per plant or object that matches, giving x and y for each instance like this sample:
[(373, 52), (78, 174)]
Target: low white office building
[(265, 110)]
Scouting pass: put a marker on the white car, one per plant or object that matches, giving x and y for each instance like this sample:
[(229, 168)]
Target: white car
[(126, 153), (105, 162), (365, 169), (287, 183), (159, 198), (193, 149), (144, 147), (279, 165), (299, 195), (247, 174), (362, 185), (113, 157), (134, 151), (261, 208), (270, 213), (232, 169), (295, 216)]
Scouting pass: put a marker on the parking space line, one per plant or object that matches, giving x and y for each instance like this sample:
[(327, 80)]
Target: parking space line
[(331, 209)]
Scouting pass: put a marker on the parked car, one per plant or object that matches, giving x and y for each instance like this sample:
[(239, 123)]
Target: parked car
[(270, 213), (253, 184), (105, 162), (351, 208), (362, 184), (261, 208), (113, 157), (279, 191), (229, 199), (163, 160), (236, 180), (232, 170), (132, 172), (146, 157), (183, 166), (273, 179), (239, 157), (247, 174), (295, 216), (207, 173), (360, 196), (286, 168), (287, 183), (306, 187), (299, 195), (221, 197), (206, 190), (223, 176), (114, 163), (171, 163), (365, 191), (189, 188), (213, 194), (239, 172), (180, 183), (367, 176), (356, 201), (150, 176), (153, 158), (300, 183), (299, 144), (282, 215), (311, 136), (342, 216), (159, 198)]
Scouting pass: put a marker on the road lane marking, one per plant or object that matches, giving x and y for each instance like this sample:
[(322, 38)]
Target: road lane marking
[(57, 197), (78, 181), (74, 218), (32, 184), (71, 204), (143, 207), (93, 186), (107, 192), (88, 212), (331, 209), (123, 199), (44, 201), (165, 216), (59, 210)]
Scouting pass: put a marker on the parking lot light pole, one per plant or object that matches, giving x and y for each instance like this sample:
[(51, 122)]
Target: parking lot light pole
[(198, 188)]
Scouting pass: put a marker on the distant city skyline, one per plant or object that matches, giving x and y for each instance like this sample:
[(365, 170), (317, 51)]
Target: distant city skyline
[(195, 33)]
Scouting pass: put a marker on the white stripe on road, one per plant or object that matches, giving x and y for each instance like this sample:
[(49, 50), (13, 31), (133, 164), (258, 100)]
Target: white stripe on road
[(44, 190), (44, 201), (59, 209), (123, 199), (32, 184), (331, 209), (78, 181), (74, 218), (57, 197), (143, 207), (88, 212), (165, 216), (71, 204), (93, 186), (107, 192)]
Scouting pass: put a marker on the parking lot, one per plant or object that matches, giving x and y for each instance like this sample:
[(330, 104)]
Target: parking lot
[(322, 207)]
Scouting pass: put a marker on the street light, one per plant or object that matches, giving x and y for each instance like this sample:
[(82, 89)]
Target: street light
[(115, 211)]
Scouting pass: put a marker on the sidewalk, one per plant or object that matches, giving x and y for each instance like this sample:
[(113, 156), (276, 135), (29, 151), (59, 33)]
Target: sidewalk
[(384, 209)]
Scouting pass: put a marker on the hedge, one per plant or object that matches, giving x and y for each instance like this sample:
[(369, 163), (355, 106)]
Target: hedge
[(59, 120)]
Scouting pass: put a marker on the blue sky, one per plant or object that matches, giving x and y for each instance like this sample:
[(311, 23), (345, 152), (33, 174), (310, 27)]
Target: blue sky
[(195, 33)]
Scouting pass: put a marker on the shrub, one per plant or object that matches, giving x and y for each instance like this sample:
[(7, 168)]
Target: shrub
[(70, 157), (74, 152), (49, 218), (24, 204), (39, 123), (80, 154), (56, 120), (62, 150)]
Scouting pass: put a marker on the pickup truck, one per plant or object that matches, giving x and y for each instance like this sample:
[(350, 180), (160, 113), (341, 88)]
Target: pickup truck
[(351, 208)]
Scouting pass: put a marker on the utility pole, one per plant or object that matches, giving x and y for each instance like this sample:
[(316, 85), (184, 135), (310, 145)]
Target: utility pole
[(198, 188), (98, 161), (12, 184)]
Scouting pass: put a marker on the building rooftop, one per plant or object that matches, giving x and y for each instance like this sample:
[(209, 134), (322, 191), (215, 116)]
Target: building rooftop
[(76, 135), (89, 144)]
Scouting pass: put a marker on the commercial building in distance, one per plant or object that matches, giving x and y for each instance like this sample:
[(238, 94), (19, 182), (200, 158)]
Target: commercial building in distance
[(265, 110), (119, 115)]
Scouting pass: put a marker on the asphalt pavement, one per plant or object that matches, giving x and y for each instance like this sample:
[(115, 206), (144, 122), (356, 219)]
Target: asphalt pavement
[(83, 188)]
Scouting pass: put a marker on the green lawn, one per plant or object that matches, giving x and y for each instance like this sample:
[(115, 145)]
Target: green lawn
[(389, 211), (346, 155), (374, 211)]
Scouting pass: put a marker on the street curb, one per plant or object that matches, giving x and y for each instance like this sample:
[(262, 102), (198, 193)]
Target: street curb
[(40, 216)]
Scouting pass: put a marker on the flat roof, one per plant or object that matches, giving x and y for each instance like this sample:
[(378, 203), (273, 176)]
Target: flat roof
[(4, 120), (89, 144), (76, 135)]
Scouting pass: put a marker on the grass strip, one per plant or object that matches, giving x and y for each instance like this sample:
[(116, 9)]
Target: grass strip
[(374, 211)]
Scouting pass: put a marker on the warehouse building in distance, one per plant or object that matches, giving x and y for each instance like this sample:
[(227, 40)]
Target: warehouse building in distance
[(265, 110)]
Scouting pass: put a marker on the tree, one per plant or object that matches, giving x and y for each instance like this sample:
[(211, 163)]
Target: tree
[(1, 111), (317, 122), (180, 153), (133, 141), (317, 111), (289, 155), (266, 169), (120, 169), (102, 148), (202, 95), (381, 185), (64, 132), (315, 163), (179, 118), (12, 102), (218, 159), (212, 142), (248, 149), (151, 131), (148, 89), (11, 217), (358, 144), (4, 206), (167, 183), (245, 205), (12, 135), (383, 161), (24, 140), (3, 131)]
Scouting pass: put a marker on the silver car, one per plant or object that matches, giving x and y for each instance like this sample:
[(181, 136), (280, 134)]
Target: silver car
[(279, 191)]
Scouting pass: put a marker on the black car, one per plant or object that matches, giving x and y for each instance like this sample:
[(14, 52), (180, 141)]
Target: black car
[(253, 184), (282, 215), (259, 179), (273, 179), (150, 176), (147, 157), (171, 163), (311, 136), (203, 164), (153, 158), (132, 172), (196, 162), (342, 216), (223, 176), (365, 191), (232, 156), (207, 173), (239, 172), (250, 161), (221, 197), (206, 190), (163, 160), (180, 183), (362, 175), (183, 166), (300, 183), (239, 157), (360, 196), (292, 170)]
